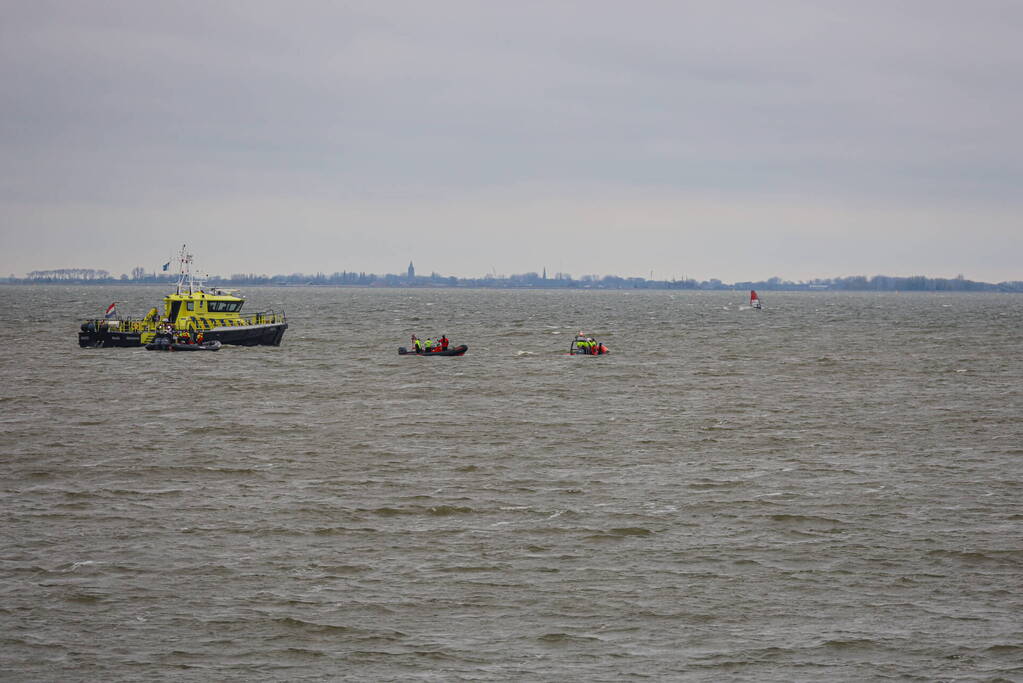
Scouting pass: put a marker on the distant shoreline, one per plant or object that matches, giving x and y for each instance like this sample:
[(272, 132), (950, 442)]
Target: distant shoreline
[(532, 280), (977, 287)]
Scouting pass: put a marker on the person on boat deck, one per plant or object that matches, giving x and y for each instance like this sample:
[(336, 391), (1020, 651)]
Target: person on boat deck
[(444, 341), (428, 345), (198, 338), (416, 344)]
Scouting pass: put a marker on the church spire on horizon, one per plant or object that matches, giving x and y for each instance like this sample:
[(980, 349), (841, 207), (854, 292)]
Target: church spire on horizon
[(411, 271)]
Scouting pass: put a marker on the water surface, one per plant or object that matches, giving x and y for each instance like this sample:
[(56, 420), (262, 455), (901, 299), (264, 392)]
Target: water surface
[(829, 489)]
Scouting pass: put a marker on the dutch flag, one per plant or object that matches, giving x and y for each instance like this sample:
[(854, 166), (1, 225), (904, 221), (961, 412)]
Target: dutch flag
[(111, 310)]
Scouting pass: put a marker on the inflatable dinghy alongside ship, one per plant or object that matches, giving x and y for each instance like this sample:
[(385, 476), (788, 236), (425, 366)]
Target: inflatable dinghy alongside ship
[(166, 342)]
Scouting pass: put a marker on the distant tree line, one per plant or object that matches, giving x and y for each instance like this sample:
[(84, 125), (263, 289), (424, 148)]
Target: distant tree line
[(886, 283), (532, 280), (69, 275)]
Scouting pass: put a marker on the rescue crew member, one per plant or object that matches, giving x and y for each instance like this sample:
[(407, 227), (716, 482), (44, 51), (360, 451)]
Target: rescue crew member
[(444, 341), (416, 344), (428, 345)]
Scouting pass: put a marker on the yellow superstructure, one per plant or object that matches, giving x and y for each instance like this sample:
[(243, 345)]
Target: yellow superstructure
[(202, 311)]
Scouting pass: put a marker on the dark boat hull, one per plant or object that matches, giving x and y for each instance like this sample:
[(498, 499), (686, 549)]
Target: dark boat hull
[(246, 335), (451, 351), (105, 338)]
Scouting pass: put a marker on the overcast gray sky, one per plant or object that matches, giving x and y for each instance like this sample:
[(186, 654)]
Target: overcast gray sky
[(738, 140)]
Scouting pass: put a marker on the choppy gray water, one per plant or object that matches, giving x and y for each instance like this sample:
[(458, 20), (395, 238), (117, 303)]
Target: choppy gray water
[(829, 489)]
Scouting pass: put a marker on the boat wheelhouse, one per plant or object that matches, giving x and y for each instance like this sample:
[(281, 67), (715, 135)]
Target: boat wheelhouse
[(213, 313)]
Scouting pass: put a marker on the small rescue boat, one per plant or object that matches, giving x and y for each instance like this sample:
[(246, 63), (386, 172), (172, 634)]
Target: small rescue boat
[(450, 351), (166, 342), (586, 346)]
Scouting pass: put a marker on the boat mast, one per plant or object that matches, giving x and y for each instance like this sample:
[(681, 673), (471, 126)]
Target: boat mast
[(185, 270)]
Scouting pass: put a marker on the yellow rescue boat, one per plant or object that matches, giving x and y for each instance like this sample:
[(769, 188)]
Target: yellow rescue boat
[(193, 311)]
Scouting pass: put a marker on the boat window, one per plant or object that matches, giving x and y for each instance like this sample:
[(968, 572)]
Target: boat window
[(225, 306), (190, 305)]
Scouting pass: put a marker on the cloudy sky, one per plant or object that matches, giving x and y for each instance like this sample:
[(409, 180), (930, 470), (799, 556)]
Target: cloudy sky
[(738, 140)]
